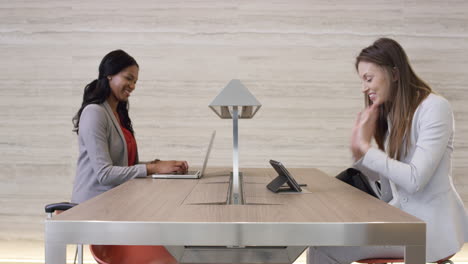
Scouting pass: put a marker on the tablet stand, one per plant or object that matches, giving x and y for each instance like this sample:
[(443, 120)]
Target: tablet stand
[(276, 185)]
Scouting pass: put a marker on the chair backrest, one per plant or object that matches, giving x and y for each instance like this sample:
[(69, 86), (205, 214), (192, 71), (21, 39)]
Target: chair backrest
[(105, 254), (380, 260), (392, 260)]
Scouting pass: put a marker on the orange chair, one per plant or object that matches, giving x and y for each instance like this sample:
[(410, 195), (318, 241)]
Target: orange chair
[(392, 260), (110, 254)]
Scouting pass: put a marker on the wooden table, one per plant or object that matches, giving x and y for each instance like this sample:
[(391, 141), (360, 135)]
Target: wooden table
[(194, 213)]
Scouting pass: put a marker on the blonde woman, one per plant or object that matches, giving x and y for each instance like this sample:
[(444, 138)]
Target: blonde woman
[(414, 131)]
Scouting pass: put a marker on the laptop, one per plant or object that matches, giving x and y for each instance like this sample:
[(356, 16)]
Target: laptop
[(190, 174)]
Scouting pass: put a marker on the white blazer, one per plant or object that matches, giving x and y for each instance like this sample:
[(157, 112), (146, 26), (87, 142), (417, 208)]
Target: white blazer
[(422, 182)]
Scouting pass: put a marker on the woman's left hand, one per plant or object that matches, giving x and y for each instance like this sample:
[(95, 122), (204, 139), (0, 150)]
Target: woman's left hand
[(167, 166), (363, 131)]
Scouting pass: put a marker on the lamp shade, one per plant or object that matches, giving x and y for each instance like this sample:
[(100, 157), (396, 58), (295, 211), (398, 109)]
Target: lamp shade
[(235, 94)]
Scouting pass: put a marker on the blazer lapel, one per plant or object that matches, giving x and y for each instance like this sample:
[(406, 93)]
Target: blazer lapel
[(110, 113)]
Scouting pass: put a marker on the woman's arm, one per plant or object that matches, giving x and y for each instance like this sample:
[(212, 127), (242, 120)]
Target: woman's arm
[(435, 124), (94, 133)]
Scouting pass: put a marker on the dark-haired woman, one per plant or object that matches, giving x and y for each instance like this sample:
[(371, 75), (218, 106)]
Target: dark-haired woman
[(108, 154), (414, 131)]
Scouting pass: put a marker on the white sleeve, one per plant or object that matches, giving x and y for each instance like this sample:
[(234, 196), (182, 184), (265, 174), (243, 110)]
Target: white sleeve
[(435, 126)]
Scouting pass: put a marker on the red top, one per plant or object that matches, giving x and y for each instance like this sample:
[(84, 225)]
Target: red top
[(131, 146)]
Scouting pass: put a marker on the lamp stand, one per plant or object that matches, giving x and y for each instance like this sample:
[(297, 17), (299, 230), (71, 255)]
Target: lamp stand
[(235, 192)]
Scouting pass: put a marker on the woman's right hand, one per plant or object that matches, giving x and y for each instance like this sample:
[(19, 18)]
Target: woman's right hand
[(355, 141), (167, 166)]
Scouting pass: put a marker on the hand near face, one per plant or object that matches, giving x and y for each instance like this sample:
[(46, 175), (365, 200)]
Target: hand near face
[(167, 166), (363, 131), (355, 149)]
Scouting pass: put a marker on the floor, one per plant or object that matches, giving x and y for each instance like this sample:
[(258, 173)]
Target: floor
[(33, 252)]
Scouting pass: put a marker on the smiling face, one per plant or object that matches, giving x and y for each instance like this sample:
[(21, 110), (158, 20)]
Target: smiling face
[(123, 83), (376, 83)]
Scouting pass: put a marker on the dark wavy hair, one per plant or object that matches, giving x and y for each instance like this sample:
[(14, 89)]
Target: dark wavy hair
[(97, 91)]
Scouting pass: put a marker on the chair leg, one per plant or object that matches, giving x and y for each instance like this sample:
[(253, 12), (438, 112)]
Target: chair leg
[(79, 254), (79, 248)]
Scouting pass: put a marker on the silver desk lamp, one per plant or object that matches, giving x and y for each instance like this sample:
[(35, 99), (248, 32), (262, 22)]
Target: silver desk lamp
[(234, 102)]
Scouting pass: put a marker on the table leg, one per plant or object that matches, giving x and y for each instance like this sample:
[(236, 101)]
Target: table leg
[(55, 253), (415, 254)]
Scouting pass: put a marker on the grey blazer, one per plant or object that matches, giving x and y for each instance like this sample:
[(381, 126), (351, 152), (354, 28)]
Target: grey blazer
[(103, 159), (422, 181)]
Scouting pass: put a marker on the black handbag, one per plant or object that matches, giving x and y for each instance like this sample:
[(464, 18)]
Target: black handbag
[(358, 180)]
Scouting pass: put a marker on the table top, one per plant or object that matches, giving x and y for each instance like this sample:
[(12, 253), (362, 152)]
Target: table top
[(325, 199)]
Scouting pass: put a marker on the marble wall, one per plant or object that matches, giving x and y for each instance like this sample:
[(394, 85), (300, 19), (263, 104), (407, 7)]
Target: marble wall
[(295, 56)]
